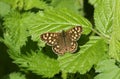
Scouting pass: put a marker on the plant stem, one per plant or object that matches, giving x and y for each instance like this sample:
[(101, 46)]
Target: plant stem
[(101, 35)]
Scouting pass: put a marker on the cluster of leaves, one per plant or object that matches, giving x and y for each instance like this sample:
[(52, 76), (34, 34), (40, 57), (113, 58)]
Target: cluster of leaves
[(23, 21)]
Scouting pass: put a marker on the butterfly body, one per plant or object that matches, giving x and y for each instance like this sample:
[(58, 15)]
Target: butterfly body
[(64, 41)]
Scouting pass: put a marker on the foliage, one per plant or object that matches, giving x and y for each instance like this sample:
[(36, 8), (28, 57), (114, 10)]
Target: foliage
[(23, 21), (108, 69), (15, 75)]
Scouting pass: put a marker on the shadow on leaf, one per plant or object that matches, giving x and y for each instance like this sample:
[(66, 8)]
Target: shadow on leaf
[(30, 46)]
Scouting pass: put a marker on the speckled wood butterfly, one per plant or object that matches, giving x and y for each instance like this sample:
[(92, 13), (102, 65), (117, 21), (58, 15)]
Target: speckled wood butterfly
[(64, 41)]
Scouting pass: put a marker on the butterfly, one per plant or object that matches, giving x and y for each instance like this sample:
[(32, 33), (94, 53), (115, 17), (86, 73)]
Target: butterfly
[(62, 42)]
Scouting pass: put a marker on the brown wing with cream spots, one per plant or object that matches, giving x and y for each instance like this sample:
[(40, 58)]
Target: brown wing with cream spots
[(60, 47), (74, 33), (72, 47), (50, 38)]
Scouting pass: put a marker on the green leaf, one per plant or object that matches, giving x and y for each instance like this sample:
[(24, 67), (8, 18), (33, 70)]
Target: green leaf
[(38, 63), (16, 75), (35, 4), (94, 2), (72, 5), (114, 49), (90, 53), (54, 21), (15, 30), (15, 38), (4, 9), (26, 4), (14, 3), (103, 16), (108, 70)]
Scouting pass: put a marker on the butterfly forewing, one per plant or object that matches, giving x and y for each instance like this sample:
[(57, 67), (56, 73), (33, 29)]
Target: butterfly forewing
[(74, 33), (50, 38)]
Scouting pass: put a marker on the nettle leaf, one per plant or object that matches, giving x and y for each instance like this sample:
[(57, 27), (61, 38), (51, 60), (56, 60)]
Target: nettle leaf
[(73, 5), (26, 5), (15, 38), (114, 49), (38, 63), (4, 9), (103, 16), (35, 4), (107, 70), (15, 3), (16, 32), (82, 61), (94, 2), (16, 75), (54, 21)]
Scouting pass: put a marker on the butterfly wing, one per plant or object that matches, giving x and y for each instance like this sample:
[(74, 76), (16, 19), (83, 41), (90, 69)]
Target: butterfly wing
[(72, 36), (60, 47), (74, 33), (56, 41), (72, 47), (50, 38)]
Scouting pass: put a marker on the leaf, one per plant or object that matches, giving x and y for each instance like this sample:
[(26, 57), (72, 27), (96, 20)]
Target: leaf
[(103, 16), (114, 48), (26, 4), (107, 70), (15, 4), (15, 30), (54, 21), (4, 9), (16, 75), (72, 5), (38, 63), (35, 4), (15, 38), (94, 2), (90, 53)]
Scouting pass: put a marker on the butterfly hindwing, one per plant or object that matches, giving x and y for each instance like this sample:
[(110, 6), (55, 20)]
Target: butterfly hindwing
[(58, 50), (72, 47)]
